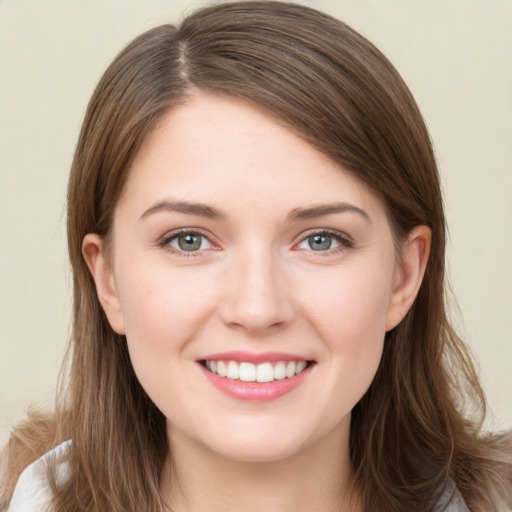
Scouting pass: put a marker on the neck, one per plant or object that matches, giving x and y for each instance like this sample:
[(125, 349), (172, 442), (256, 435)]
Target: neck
[(317, 478)]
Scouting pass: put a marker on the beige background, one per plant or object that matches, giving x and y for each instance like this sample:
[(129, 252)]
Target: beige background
[(455, 56)]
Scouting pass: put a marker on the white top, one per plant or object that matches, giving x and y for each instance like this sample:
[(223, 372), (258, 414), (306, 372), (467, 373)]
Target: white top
[(33, 493)]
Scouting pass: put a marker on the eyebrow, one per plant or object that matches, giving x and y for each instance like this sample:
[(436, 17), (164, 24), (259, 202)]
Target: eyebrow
[(323, 210), (202, 210), (297, 214)]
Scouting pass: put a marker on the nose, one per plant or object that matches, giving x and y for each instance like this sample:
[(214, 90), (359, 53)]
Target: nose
[(257, 299)]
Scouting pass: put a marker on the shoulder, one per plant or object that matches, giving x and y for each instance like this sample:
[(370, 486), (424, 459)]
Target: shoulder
[(33, 492)]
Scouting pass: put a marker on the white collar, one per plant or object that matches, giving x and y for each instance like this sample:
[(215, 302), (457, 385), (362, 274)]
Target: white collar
[(33, 492)]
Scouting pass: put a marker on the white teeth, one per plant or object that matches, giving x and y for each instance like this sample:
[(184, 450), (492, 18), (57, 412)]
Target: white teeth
[(280, 370), (290, 369), (265, 372), (232, 371), (249, 372), (300, 367), (221, 369)]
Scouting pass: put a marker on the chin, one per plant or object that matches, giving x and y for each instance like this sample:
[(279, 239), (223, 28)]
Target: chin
[(257, 444), (257, 452)]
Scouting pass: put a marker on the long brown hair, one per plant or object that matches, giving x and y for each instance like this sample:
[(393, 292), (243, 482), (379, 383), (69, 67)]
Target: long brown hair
[(412, 431)]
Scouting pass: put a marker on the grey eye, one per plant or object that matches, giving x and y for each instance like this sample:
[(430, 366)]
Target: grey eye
[(189, 242), (323, 241), (320, 242)]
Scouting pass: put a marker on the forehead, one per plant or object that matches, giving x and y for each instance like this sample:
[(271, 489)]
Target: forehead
[(221, 150)]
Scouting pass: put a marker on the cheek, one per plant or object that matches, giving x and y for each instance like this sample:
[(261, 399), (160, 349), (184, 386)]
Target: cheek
[(163, 309), (345, 310), (163, 313), (349, 305), (348, 311)]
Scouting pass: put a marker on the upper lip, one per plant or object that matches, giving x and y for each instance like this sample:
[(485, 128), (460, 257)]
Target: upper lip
[(255, 358)]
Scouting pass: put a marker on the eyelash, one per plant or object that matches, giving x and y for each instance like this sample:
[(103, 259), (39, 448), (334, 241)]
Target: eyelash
[(344, 241), (165, 243)]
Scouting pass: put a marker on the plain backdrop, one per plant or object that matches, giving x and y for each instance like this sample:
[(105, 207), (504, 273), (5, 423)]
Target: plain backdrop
[(454, 55)]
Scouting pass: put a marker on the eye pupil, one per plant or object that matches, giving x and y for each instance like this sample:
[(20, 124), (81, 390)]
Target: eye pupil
[(190, 242), (320, 242)]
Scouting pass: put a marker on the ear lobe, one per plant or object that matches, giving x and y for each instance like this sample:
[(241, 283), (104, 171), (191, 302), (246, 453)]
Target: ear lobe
[(101, 271), (409, 276)]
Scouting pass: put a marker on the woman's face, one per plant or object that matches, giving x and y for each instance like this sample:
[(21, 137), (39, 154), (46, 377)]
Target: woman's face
[(239, 248)]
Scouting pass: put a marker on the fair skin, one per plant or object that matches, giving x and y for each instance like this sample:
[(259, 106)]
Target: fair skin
[(286, 258)]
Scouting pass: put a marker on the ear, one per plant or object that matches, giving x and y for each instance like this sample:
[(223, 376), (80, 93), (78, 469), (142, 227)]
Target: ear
[(102, 273), (409, 274)]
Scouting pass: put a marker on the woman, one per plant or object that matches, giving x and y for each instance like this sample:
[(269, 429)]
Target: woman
[(257, 239)]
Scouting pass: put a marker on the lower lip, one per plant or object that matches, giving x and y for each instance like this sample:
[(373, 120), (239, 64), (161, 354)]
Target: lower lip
[(256, 391)]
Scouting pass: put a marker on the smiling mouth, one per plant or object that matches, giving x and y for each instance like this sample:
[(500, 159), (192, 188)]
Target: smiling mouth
[(263, 372)]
